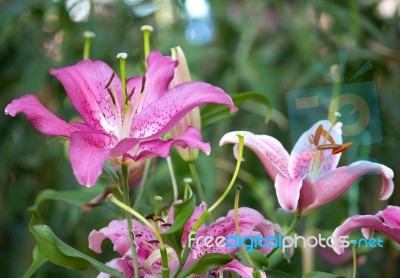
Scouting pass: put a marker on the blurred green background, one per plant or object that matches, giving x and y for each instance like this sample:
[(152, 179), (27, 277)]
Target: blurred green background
[(270, 47)]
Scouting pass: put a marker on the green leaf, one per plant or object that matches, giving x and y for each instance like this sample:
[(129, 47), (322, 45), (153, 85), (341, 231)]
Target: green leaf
[(60, 253), (38, 261), (109, 173), (182, 212), (206, 263), (318, 274), (284, 217), (258, 258), (278, 274), (76, 198), (213, 113)]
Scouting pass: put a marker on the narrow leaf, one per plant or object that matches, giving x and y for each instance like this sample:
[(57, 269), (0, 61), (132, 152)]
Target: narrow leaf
[(206, 263), (278, 274), (258, 258), (213, 113), (182, 213), (318, 274)]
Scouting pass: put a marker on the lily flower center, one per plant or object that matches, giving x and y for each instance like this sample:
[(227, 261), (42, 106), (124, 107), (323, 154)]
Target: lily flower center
[(320, 149), (123, 113)]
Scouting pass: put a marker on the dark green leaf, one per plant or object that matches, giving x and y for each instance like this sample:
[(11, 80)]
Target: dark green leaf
[(284, 217), (38, 261), (213, 113), (206, 263), (76, 198), (278, 274), (182, 213), (318, 274), (60, 253), (109, 173), (258, 258)]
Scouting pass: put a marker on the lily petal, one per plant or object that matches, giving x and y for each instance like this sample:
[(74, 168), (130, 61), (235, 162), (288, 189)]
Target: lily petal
[(88, 152), (249, 220), (270, 151), (304, 151), (158, 147), (240, 269), (85, 85), (332, 184), (391, 216), (288, 192), (161, 115), (117, 233), (372, 222), (114, 231), (159, 74), (39, 116)]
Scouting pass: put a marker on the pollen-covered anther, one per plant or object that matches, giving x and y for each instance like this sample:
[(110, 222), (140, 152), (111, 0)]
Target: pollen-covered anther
[(130, 95), (111, 95), (342, 148), (110, 80), (328, 146), (158, 219), (143, 83), (325, 134)]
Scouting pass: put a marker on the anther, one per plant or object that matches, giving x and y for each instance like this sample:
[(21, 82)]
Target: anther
[(342, 148), (130, 95), (158, 219), (166, 225), (111, 95), (153, 241), (318, 133), (110, 80), (328, 146), (143, 83)]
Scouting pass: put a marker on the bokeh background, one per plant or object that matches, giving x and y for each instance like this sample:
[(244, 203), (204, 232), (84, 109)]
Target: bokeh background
[(270, 47)]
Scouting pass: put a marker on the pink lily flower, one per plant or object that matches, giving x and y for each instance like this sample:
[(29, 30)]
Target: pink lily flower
[(112, 129), (386, 221), (250, 221), (309, 178)]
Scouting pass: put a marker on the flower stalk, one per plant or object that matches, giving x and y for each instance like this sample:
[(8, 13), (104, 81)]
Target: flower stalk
[(196, 181), (125, 182)]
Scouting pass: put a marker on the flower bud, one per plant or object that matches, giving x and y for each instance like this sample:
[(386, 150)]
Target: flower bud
[(182, 75)]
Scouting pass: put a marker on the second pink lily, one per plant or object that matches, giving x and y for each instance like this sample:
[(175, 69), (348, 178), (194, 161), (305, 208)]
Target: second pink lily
[(309, 178)]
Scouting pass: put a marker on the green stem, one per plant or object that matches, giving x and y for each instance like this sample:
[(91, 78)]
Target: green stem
[(173, 179), (288, 232), (142, 183), (353, 249), (236, 218), (163, 250), (196, 180), (235, 174), (125, 182), (207, 213)]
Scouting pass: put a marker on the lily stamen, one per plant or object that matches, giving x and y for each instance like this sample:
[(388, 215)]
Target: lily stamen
[(111, 95), (328, 146), (342, 148), (109, 81), (130, 95)]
